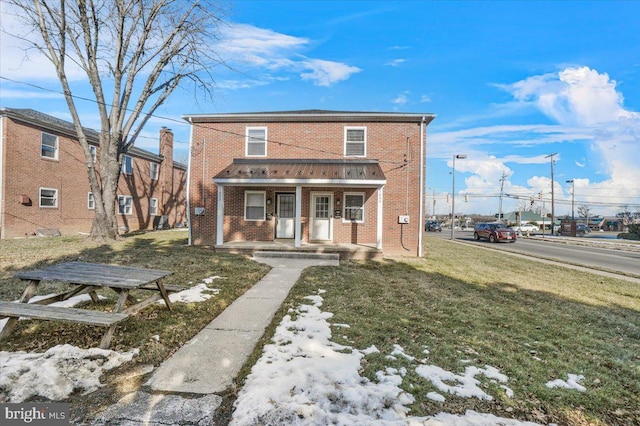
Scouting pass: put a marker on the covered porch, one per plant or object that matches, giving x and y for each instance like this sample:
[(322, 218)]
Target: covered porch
[(346, 251)]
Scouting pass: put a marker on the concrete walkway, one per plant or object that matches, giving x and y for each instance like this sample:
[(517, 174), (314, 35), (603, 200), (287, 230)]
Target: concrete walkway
[(183, 389), (210, 361)]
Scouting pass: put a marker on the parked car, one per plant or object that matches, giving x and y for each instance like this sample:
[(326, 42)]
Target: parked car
[(582, 229), (432, 226), (494, 232), (527, 227)]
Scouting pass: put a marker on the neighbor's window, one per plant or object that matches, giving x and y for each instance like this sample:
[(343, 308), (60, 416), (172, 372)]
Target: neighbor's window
[(48, 197), (354, 207), (94, 153), (49, 146), (256, 145), (125, 204), (153, 207), (355, 141), (91, 201), (153, 170), (254, 205), (127, 165)]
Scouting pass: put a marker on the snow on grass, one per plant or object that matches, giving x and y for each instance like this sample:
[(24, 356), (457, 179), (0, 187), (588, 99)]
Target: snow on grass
[(304, 378), (56, 373), (573, 382)]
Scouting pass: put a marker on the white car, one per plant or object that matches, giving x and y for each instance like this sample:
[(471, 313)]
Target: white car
[(527, 227)]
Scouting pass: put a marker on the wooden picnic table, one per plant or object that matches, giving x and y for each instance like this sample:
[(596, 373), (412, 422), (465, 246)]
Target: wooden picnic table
[(87, 278)]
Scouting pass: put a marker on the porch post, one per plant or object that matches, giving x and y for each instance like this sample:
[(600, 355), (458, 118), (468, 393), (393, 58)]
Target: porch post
[(220, 216), (298, 222), (379, 230)]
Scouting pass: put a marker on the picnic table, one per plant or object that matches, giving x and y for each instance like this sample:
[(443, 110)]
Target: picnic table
[(87, 278)]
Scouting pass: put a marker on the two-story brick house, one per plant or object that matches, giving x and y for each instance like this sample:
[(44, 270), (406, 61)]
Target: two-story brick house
[(308, 179), (44, 187)]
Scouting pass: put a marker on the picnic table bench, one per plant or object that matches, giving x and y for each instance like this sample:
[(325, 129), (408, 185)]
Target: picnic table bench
[(87, 277)]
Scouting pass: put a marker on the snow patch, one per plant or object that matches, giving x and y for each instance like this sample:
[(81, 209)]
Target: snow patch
[(573, 382)]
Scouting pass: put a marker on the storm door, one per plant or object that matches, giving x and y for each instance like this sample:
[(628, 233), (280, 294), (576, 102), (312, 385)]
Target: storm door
[(286, 225)]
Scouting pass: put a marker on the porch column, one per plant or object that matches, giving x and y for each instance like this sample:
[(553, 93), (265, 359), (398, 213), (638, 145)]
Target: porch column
[(298, 231), (379, 230), (220, 216)]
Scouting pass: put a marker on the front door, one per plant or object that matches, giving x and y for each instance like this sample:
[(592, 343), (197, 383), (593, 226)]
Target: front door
[(321, 209), (286, 225)]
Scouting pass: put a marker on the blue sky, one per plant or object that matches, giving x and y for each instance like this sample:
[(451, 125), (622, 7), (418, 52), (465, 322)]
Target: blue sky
[(509, 83)]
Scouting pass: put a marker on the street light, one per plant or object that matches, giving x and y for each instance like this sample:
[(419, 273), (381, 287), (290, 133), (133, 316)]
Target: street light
[(573, 191), (453, 192), (553, 211)]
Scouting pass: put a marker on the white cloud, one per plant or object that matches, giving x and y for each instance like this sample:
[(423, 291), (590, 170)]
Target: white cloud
[(401, 99), (425, 99), (267, 49), (396, 62)]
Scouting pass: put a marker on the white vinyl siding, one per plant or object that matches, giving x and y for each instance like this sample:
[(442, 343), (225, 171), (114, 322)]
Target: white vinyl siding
[(355, 141), (256, 142), (49, 146), (125, 204), (153, 207), (354, 207), (254, 205), (48, 197)]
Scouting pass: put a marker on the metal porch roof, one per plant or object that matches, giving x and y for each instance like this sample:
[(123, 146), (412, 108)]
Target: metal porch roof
[(244, 171)]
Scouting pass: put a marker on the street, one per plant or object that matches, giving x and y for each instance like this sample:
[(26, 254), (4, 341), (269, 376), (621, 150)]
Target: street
[(604, 254)]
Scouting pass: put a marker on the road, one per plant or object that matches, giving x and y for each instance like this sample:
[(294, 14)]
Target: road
[(591, 253)]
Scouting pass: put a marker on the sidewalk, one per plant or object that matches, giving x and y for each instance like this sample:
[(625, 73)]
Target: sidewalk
[(209, 363)]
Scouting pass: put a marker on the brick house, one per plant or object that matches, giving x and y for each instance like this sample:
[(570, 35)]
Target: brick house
[(44, 188), (308, 180)]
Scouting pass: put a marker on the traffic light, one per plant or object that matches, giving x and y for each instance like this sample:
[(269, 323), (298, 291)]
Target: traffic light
[(540, 195), (466, 197), (447, 198), (531, 200)]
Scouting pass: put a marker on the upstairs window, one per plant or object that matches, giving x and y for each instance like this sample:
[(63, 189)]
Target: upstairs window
[(127, 165), (153, 170), (94, 153), (48, 197), (354, 207), (256, 142), (49, 146), (254, 205), (355, 141)]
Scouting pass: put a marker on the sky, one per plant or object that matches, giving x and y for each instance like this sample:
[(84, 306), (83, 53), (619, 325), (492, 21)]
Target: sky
[(510, 84), (318, 380)]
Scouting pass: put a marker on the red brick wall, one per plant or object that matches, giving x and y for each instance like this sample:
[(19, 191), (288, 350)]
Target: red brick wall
[(25, 171), (215, 145)]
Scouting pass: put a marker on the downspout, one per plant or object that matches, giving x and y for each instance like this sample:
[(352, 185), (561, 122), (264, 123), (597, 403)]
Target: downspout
[(423, 179), (189, 184)]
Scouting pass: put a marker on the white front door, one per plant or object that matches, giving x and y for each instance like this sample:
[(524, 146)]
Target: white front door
[(321, 217), (286, 205)]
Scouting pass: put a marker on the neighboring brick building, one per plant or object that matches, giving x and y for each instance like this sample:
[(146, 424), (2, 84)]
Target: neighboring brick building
[(308, 177), (44, 187)]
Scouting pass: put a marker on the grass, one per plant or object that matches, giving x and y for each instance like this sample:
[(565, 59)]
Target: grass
[(468, 306)]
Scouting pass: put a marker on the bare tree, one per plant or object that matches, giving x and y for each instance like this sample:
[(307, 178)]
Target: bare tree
[(134, 54)]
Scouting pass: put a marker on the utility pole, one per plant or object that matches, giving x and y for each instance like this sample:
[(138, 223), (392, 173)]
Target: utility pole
[(573, 192), (553, 211), (504, 176)]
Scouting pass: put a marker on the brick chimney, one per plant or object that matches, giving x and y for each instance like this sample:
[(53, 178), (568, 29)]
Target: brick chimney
[(166, 170)]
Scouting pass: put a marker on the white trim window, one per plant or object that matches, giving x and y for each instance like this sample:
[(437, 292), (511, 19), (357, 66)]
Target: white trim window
[(94, 153), (254, 205), (48, 197), (127, 165), (353, 207), (153, 207), (355, 141), (256, 142), (91, 201), (49, 146), (125, 204), (154, 170)]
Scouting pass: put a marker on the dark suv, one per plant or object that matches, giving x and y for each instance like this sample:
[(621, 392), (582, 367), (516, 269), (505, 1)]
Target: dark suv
[(494, 232), (432, 225)]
